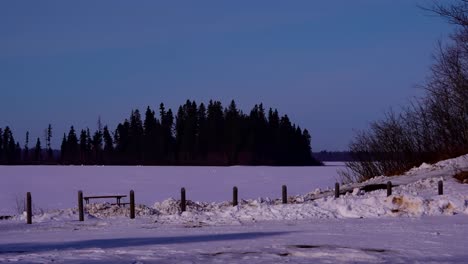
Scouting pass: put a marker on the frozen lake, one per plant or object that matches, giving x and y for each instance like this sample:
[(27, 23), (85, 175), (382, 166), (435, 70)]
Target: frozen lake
[(55, 187)]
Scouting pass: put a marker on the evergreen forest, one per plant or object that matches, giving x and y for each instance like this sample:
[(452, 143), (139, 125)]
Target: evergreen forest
[(198, 134)]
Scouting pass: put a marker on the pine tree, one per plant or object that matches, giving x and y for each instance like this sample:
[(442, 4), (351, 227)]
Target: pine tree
[(232, 140), (136, 137), (64, 150), (108, 146), (48, 142), (122, 142), (273, 135), (167, 141), (150, 137), (9, 146), (215, 124), (17, 153), (83, 147), (97, 147), (73, 149), (89, 158), (1, 147), (26, 149), (38, 151), (203, 134)]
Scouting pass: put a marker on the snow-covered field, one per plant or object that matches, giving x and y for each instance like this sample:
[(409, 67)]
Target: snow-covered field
[(414, 224)]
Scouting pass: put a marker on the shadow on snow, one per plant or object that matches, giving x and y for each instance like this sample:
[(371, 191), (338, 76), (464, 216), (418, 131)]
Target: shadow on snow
[(128, 242)]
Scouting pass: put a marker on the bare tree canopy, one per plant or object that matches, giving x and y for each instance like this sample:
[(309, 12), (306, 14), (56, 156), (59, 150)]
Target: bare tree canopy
[(431, 128)]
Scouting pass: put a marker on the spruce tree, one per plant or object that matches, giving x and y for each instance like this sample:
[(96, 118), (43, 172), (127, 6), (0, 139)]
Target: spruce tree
[(108, 146), (215, 124), (26, 149), (203, 134), (38, 151), (17, 159), (167, 140), (232, 139), (97, 147), (73, 149), (64, 155), (136, 137), (83, 147), (1, 147), (49, 138), (150, 137), (9, 146), (122, 142)]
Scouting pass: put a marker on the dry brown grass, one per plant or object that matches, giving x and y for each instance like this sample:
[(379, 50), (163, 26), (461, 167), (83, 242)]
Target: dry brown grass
[(462, 176)]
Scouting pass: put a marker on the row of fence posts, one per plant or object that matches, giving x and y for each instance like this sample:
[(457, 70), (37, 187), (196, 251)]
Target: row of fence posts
[(183, 200)]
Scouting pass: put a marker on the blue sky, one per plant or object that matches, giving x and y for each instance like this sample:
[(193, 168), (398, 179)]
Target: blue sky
[(332, 66)]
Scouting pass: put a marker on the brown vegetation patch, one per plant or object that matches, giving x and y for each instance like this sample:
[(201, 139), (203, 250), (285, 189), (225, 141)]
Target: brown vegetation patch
[(397, 200), (462, 176)]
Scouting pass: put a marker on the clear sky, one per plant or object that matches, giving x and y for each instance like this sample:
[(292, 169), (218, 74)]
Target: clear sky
[(332, 66)]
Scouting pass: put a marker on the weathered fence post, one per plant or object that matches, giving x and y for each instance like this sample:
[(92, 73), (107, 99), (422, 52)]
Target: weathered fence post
[(234, 196), (284, 192), (132, 204), (337, 190), (441, 188), (389, 188), (80, 206), (182, 200), (28, 208)]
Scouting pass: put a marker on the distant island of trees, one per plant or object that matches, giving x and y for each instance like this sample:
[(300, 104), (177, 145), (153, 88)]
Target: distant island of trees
[(197, 135)]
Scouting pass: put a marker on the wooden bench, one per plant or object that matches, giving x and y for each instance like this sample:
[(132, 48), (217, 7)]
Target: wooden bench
[(117, 197)]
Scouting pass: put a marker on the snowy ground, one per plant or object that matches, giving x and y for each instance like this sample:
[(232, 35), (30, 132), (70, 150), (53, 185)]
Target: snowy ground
[(376, 240), (412, 225)]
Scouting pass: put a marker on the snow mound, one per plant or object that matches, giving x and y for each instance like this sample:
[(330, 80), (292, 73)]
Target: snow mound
[(109, 210)]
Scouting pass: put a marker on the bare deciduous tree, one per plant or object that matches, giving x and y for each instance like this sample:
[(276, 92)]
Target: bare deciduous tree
[(431, 128)]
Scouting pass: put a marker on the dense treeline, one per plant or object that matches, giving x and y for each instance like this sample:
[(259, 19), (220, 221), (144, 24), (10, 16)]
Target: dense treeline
[(333, 156), (195, 135), (431, 128)]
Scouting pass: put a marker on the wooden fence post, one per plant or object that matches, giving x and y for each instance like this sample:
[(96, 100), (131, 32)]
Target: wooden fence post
[(389, 188), (80, 206), (28, 208), (441, 187), (182, 200), (284, 194), (132, 204), (337, 190), (234, 196)]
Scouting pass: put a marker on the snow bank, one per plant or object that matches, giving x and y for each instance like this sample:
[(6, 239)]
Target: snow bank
[(415, 194)]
